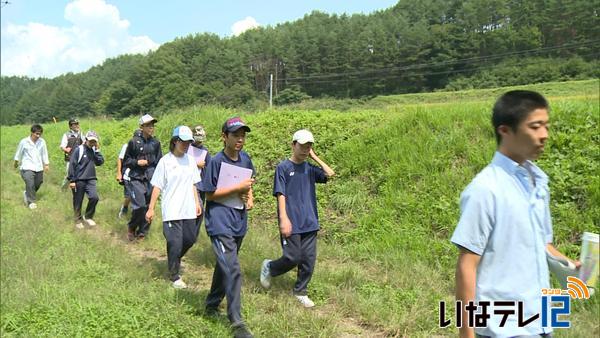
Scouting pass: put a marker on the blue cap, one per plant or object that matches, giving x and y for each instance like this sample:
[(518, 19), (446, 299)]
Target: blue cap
[(184, 133)]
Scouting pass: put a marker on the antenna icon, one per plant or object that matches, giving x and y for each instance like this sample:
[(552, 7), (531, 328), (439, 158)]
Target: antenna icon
[(577, 289)]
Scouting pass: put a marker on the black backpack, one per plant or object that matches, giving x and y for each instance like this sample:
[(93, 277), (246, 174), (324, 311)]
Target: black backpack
[(73, 141)]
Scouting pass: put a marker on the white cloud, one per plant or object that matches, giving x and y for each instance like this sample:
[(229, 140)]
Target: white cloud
[(97, 32), (243, 25)]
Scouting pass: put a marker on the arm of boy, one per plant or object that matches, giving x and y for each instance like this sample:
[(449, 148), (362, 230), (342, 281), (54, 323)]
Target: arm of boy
[(153, 199), (466, 276), (98, 158), (197, 201), (554, 251), (119, 176), (328, 171), (285, 225), (249, 200)]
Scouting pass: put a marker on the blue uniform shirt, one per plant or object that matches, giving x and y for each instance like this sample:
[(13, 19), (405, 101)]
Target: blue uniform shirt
[(506, 220), (297, 183), (221, 219)]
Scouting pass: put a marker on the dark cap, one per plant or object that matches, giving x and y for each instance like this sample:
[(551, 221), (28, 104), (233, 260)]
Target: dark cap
[(234, 124), (73, 121)]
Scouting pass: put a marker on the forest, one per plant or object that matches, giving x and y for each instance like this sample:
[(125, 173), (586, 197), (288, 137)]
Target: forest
[(412, 47)]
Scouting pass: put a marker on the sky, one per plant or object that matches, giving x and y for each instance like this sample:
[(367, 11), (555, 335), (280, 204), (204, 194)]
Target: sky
[(46, 38)]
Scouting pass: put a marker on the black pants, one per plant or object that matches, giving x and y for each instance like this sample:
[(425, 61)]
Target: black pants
[(299, 250), (181, 236), (81, 188), (227, 277), (33, 181), (140, 198)]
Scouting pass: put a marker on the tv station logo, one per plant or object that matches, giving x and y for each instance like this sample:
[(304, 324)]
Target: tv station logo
[(554, 312)]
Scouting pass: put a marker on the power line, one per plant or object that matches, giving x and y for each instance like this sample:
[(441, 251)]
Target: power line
[(445, 63), (415, 74)]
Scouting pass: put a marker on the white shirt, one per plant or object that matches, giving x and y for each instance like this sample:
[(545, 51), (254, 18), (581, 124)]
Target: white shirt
[(175, 177), (32, 156), (122, 152), (65, 140)]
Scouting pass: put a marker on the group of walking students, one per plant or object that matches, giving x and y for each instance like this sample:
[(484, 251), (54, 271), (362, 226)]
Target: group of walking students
[(193, 186), (503, 234)]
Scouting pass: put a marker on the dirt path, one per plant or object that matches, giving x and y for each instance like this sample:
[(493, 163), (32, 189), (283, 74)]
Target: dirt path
[(202, 276)]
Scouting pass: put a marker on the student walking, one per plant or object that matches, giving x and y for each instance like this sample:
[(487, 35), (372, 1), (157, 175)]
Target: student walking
[(202, 156), (69, 141), (226, 225), (123, 178), (295, 190), (141, 157), (82, 178), (505, 226), (175, 178), (32, 160)]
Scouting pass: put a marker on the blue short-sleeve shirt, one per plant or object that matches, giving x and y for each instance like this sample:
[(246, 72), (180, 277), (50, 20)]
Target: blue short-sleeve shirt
[(506, 220), (297, 183), (221, 219)]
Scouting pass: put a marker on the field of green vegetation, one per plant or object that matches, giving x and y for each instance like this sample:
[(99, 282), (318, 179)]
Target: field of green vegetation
[(384, 262)]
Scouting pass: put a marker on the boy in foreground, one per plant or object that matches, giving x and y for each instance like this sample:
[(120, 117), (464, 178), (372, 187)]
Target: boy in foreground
[(505, 226), (295, 191)]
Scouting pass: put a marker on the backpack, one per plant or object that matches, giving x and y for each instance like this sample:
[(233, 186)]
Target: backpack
[(73, 140)]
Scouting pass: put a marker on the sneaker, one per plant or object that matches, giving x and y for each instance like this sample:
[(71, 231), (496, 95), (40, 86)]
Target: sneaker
[(90, 222), (179, 284), (265, 274), (122, 212), (305, 301), (25, 198), (130, 235), (241, 331), (79, 225), (32, 206), (141, 237)]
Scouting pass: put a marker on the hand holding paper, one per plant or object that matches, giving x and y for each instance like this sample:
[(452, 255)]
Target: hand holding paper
[(234, 176)]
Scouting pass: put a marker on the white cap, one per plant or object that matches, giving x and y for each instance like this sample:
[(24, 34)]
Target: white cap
[(184, 133), (146, 119), (91, 135), (303, 136)]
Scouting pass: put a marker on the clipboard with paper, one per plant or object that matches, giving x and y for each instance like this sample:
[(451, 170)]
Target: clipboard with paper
[(230, 175)]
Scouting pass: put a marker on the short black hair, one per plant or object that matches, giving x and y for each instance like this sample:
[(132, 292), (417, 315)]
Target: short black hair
[(36, 128), (513, 107)]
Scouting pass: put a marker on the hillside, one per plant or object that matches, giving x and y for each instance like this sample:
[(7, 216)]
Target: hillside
[(411, 47), (384, 262)]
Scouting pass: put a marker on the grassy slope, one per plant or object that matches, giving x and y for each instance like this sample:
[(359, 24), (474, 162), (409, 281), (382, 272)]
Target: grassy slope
[(384, 256)]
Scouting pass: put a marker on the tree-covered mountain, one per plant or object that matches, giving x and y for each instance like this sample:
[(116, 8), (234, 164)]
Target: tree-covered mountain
[(413, 46)]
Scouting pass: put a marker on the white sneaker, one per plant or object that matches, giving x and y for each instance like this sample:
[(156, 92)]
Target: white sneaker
[(25, 198), (305, 301), (32, 206), (179, 284), (79, 225), (90, 222), (265, 274)]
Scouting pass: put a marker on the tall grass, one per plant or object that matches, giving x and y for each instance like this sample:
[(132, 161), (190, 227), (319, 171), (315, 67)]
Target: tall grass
[(385, 260)]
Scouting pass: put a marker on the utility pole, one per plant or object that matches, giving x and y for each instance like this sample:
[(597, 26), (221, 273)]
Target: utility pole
[(271, 92)]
